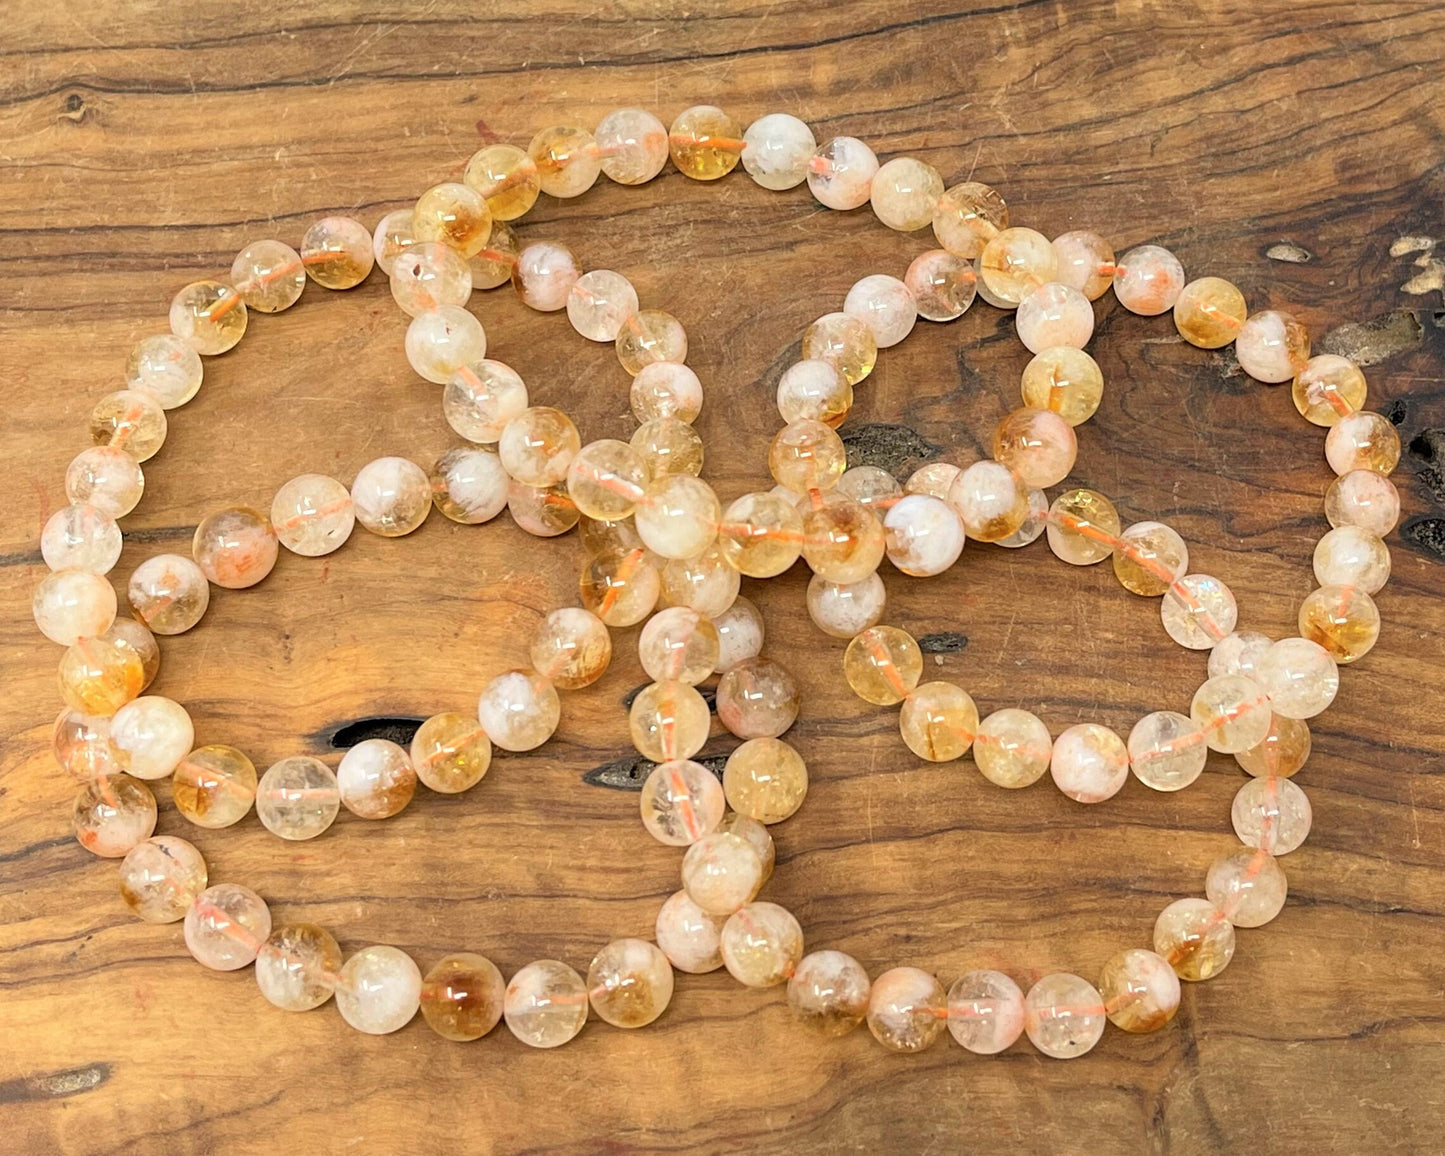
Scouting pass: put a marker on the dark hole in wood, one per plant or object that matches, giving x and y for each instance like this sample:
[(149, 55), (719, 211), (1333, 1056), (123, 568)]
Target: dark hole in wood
[(897, 449), (628, 774), (1427, 533), (944, 642), (397, 728)]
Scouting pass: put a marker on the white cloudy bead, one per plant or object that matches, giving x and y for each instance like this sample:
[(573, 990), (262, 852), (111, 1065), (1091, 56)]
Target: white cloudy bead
[(844, 609), (1352, 556), (840, 172), (442, 340), (777, 149), (925, 536), (380, 990), (1054, 315), (1299, 676), (1198, 611), (152, 735), (885, 304)]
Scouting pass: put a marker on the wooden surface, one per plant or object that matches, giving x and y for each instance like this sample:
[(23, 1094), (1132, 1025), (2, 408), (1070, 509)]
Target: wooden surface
[(1288, 147)]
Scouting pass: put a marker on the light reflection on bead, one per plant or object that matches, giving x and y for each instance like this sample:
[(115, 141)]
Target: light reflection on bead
[(1363, 441), (1167, 750), (620, 586), (943, 285), (967, 217), (882, 665), (757, 698), (761, 944), (631, 145), (1198, 611), (1272, 814), (1083, 527), (1067, 381), (765, 779), (1327, 388), (1352, 556), (630, 983), (841, 171), (1148, 280), (666, 389), (130, 420), (1362, 498), (455, 215), (938, 721), (519, 710), (298, 966), (313, 515), (462, 995), (545, 1004), (166, 367), (393, 234), (649, 336), (907, 1009), (469, 485), (235, 547), (210, 316), (1283, 750), (885, 304), (1089, 763), (428, 275), (705, 143), (991, 500), (1086, 262), (1150, 558), (376, 779), (442, 340), (739, 633), (226, 926), (379, 990), (668, 721), (1249, 887), (777, 149), (1210, 312), (843, 609), (337, 252), (1342, 619), (107, 478), (1054, 315), (161, 877), (168, 593), (904, 193), (1233, 711), (506, 177), (269, 276), (391, 496), (688, 935), (1195, 937), (828, 993), (297, 798), (214, 786), (681, 802), (1012, 748), (450, 752), (566, 160), (844, 342), (985, 1012), (1015, 263), (1140, 990)]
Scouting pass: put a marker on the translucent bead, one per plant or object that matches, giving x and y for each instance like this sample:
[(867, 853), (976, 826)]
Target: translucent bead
[(567, 160), (1360, 498), (297, 798), (934, 479), (721, 872), (757, 698), (777, 149), (337, 252), (1064, 1015), (874, 487), (450, 752), (843, 609), (392, 234), (630, 983), (1167, 750), (107, 478), (1237, 653), (1233, 711), (214, 786), (761, 945), (428, 275), (885, 305), (807, 455), (841, 172), (269, 276), (491, 266), (649, 336), (705, 143), (688, 935), (545, 1004), (507, 179), (81, 745), (538, 445), (298, 966), (1033, 524), (1248, 887), (129, 420), (166, 367), (100, 675), (943, 285), (112, 814), (599, 302), (1352, 556), (1082, 527), (1209, 312), (1066, 381), (668, 721), (391, 496), (739, 633), (455, 215), (519, 710), (631, 145), (620, 586), (1363, 441), (1140, 990), (1282, 751), (1089, 763), (668, 445), (161, 877), (1037, 445), (907, 1009), (606, 537), (70, 605), (379, 990), (376, 779), (469, 485), (904, 192), (168, 593), (991, 499), (545, 275), (572, 648), (442, 340), (985, 1011), (765, 779), (844, 342), (312, 515), (1148, 280), (1012, 748), (481, 399), (678, 517), (1272, 814), (130, 633), (756, 836), (681, 802), (666, 389), (1198, 611), (1196, 939), (1054, 315), (1342, 619), (828, 993), (1150, 558), (1015, 263), (678, 644), (151, 736), (209, 315), (462, 995), (761, 534), (235, 547), (924, 535), (967, 217), (1327, 388), (883, 664), (1299, 676), (1272, 346), (226, 926), (938, 721), (605, 479), (1086, 262)]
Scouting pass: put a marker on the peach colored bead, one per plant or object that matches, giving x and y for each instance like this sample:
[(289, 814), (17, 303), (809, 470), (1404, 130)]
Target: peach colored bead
[(599, 302), (506, 177), (739, 633), (166, 367), (721, 872), (765, 779), (391, 496), (843, 609), (1237, 653), (1342, 619), (1167, 750), (620, 586), (1283, 750), (226, 926), (1195, 937), (1054, 315), (757, 698), (991, 500), (1272, 346), (885, 304), (828, 993), (1148, 280), (1328, 388), (1082, 527), (572, 648), (1363, 441), (376, 779), (235, 547), (1012, 748), (112, 814), (428, 275), (807, 455), (688, 935), (538, 445), (469, 485), (756, 836), (1089, 763), (337, 252), (1198, 611), (841, 172), (81, 745), (297, 798), (777, 149), (1066, 381), (705, 143), (761, 534), (668, 445), (1365, 499), (631, 146), (904, 193), (678, 516), (161, 877), (761, 944), (168, 593), (1233, 712), (605, 478), (907, 1009), (943, 285), (545, 1004), (666, 389), (450, 752), (454, 214), (844, 342), (705, 582), (1249, 887), (967, 217), (106, 478), (1210, 312), (843, 540), (1086, 262), (566, 160), (543, 511), (924, 535), (1015, 263), (130, 420), (630, 983), (482, 398), (985, 1011), (1352, 556), (681, 801), (519, 710), (677, 644), (1150, 558), (69, 605), (313, 515), (461, 996), (214, 786), (938, 721), (1037, 445), (1140, 990), (650, 336), (668, 721), (210, 316)]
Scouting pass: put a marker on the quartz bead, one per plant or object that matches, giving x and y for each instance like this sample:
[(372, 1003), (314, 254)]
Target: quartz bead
[(469, 485), (991, 500), (566, 159), (1033, 523), (297, 798), (874, 487), (943, 285), (1272, 346), (151, 736), (376, 779), (572, 648), (843, 609), (1233, 711), (1195, 937), (1328, 388), (81, 745), (269, 276), (235, 547), (761, 534), (1036, 444), (907, 1009), (545, 275), (214, 786), (604, 537), (1299, 676), (757, 698), (1272, 814), (481, 399), (461, 997), (1086, 262), (442, 340), (1148, 280), (1015, 263), (985, 1011), (650, 336), (312, 515), (777, 149), (1064, 1015), (924, 535), (845, 342), (681, 802), (209, 315), (451, 752), (668, 720), (967, 217), (70, 605), (883, 665), (631, 146), (1362, 498), (1352, 556), (1140, 990), (705, 143), (112, 814), (298, 966), (107, 478), (1012, 748), (127, 632), (491, 266), (1209, 312), (765, 779), (391, 496), (807, 455), (599, 302), (605, 479), (688, 935), (885, 305), (545, 1004), (677, 644), (428, 275), (1237, 653), (379, 990), (678, 517), (519, 710), (507, 179), (666, 389), (392, 234), (705, 583), (1150, 558), (168, 593), (226, 926), (1089, 763), (161, 877), (1198, 611), (620, 586), (1066, 381), (337, 252), (1248, 887), (1054, 315), (129, 420), (934, 479), (904, 193), (1362, 440), (1167, 750), (100, 675), (938, 721), (1342, 619), (1282, 751), (668, 445), (1083, 527), (166, 367), (538, 445), (841, 171), (761, 945), (828, 993), (721, 872), (739, 633), (757, 837), (455, 215), (630, 983)]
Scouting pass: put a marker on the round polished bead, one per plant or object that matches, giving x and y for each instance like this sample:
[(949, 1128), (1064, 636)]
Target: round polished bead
[(1249, 887), (668, 445), (1064, 1015), (631, 146), (620, 586), (1283, 750), (681, 802), (761, 945), (572, 648), (705, 143), (678, 516), (650, 336), (168, 593), (807, 455), (1198, 611), (1033, 524), (71, 605), (604, 537), (678, 644), (453, 214), (756, 835), (841, 171), (1232, 710), (161, 877), (1363, 441), (721, 872), (828, 993), (482, 398), (1167, 750), (739, 633), (450, 752), (1066, 381), (1036, 444), (844, 609), (1272, 346), (519, 710), (904, 193), (392, 234), (269, 276), (1352, 556), (943, 285), (337, 252), (991, 500), (757, 698), (1148, 280), (379, 990), (235, 547), (1082, 528), (106, 478), (545, 1004), (210, 316), (845, 342), (151, 736), (1362, 498), (666, 389), (1237, 653), (1210, 312), (985, 1011), (128, 632), (428, 275), (1272, 814), (313, 515), (297, 798), (706, 583), (166, 367), (214, 786), (1054, 315), (1342, 619), (765, 779), (1195, 938), (1299, 676), (871, 485), (599, 302), (1089, 763), (469, 485), (226, 926), (376, 779), (885, 304), (1327, 388), (462, 995), (1086, 262), (112, 814), (298, 966), (907, 1009), (100, 675), (507, 179), (967, 217), (688, 935), (924, 535), (630, 983), (605, 478), (777, 149), (442, 340), (668, 721), (938, 721), (1012, 748), (883, 665), (130, 420), (81, 745), (80, 538), (491, 266), (1015, 263), (391, 496), (1150, 558), (1140, 990), (761, 534), (566, 160), (545, 275)]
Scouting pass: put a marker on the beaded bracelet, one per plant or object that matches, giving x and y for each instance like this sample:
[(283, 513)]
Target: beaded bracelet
[(652, 530)]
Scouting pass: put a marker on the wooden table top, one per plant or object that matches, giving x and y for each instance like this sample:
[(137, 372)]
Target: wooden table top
[(1296, 149)]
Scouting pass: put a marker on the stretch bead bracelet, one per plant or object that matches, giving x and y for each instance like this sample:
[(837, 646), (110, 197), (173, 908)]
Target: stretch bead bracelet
[(653, 531)]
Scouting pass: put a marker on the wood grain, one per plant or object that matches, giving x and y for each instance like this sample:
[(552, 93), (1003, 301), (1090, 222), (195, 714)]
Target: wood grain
[(144, 143)]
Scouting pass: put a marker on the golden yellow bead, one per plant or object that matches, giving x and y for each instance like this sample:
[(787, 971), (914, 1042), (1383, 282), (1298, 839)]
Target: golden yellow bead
[(100, 675), (567, 160), (1342, 619), (705, 143), (938, 721), (765, 779), (507, 179), (454, 214), (1209, 312), (845, 342), (648, 336), (1328, 388), (883, 665), (450, 752), (1067, 381)]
